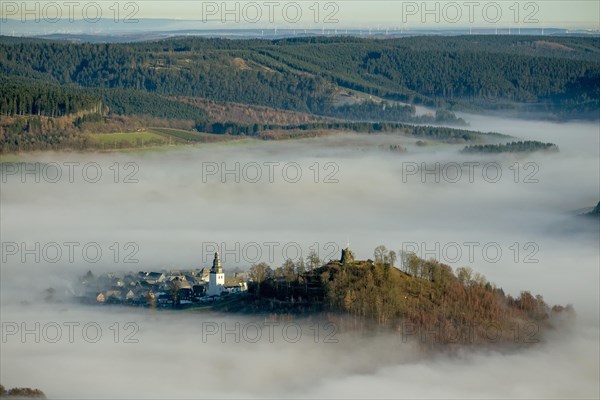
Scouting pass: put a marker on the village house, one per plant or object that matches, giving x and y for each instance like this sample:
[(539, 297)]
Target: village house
[(155, 277)]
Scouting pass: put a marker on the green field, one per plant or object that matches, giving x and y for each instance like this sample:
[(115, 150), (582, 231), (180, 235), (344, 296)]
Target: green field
[(189, 136), (128, 139), (154, 137)]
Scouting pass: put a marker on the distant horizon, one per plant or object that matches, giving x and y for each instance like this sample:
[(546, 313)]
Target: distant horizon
[(212, 23), (166, 29)]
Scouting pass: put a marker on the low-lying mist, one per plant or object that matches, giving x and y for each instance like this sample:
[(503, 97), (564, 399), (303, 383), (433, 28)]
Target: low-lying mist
[(513, 218), (175, 357)]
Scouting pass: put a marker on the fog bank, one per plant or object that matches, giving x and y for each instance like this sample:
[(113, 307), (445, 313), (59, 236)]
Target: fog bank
[(175, 205)]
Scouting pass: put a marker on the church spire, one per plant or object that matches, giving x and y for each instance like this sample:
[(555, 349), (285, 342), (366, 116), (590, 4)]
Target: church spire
[(217, 268)]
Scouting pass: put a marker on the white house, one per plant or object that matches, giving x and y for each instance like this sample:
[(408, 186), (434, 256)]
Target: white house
[(240, 287)]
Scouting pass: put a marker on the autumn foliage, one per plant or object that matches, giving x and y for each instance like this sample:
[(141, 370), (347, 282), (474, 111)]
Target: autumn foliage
[(430, 296)]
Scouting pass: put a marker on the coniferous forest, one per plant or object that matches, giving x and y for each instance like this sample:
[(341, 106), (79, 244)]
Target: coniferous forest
[(342, 78)]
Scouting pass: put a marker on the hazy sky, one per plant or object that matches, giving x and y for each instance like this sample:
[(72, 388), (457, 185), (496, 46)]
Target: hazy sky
[(343, 14)]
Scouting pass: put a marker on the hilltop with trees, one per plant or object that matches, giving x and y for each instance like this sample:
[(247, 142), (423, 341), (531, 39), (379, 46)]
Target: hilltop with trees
[(427, 294)]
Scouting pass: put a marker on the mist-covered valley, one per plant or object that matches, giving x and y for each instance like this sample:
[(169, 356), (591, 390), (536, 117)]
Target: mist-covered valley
[(512, 217)]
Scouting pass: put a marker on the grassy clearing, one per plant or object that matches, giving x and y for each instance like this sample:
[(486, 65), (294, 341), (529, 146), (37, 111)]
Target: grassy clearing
[(153, 137), (128, 139), (158, 138), (190, 136)]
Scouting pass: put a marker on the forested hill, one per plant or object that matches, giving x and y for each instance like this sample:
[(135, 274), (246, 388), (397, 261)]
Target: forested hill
[(557, 74), (429, 295)]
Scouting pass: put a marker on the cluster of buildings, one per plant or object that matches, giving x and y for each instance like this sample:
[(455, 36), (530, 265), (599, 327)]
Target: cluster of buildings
[(165, 288)]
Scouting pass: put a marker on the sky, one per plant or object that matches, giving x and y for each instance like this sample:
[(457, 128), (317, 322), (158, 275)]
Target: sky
[(303, 14)]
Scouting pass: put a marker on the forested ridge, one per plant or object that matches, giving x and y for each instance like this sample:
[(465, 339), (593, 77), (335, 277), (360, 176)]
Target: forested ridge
[(302, 74), (345, 78)]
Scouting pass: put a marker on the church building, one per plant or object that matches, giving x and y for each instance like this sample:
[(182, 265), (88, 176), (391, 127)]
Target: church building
[(216, 279)]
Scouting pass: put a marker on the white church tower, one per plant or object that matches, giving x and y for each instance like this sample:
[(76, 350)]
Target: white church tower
[(216, 279)]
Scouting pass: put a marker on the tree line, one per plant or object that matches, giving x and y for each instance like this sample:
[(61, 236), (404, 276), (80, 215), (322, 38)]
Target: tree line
[(511, 147), (22, 393)]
